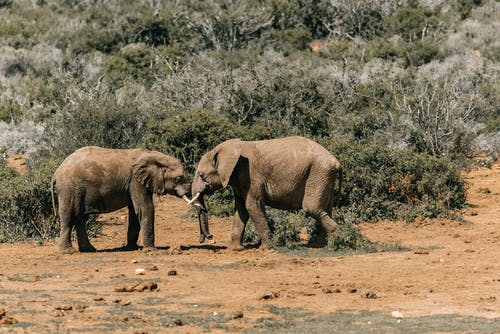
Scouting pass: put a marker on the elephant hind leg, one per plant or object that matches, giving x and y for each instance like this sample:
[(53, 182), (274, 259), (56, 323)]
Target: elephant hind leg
[(256, 211), (65, 245), (327, 226), (84, 244)]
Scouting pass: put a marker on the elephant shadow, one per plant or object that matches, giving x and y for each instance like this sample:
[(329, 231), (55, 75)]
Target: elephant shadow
[(212, 248)]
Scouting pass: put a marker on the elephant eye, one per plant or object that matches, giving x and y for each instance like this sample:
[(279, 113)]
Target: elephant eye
[(203, 176)]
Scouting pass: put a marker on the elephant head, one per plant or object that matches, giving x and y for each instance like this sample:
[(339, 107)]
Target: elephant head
[(214, 172), (161, 174)]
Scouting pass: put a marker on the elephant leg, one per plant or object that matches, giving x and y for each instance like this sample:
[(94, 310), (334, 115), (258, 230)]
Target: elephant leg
[(240, 220), (327, 226), (133, 230), (145, 211), (84, 244), (257, 213), (65, 245)]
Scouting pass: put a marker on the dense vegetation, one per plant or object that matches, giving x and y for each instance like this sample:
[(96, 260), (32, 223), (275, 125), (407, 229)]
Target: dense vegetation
[(399, 91)]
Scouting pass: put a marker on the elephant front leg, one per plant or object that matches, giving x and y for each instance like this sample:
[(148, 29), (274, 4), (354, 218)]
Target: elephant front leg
[(133, 230), (145, 212), (240, 220)]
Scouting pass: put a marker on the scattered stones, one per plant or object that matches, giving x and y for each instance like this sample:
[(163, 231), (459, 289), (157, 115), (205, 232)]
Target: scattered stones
[(397, 315), (172, 272), (370, 295), (58, 313), (269, 295), (151, 267), (234, 315), (5, 319), (484, 190), (139, 287)]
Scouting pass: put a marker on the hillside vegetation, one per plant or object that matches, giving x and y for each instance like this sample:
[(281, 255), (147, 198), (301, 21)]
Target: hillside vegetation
[(400, 91)]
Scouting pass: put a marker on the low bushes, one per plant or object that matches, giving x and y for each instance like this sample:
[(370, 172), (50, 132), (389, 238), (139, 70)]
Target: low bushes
[(26, 205)]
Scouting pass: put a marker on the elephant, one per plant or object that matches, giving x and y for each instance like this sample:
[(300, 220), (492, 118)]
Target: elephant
[(95, 180), (286, 173)]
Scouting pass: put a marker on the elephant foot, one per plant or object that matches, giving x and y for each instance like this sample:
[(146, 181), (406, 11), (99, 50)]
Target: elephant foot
[(88, 249), (130, 247), (149, 249), (236, 247), (68, 250)]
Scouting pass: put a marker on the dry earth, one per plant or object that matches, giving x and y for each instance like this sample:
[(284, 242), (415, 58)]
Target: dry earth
[(451, 268)]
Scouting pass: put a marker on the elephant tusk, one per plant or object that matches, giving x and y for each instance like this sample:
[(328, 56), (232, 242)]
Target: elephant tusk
[(186, 199), (194, 198)]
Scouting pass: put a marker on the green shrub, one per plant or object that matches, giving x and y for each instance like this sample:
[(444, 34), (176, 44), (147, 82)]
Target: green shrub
[(190, 134), (349, 237), (415, 22), (26, 204), (384, 183), (102, 119), (135, 62)]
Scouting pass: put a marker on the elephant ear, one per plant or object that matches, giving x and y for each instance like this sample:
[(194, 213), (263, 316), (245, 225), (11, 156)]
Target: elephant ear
[(149, 170), (226, 157)]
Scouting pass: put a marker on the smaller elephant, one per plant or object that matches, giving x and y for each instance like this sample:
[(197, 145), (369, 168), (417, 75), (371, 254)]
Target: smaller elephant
[(98, 180), (287, 173)]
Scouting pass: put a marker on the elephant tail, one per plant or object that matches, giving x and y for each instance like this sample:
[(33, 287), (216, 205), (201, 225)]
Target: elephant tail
[(340, 175)]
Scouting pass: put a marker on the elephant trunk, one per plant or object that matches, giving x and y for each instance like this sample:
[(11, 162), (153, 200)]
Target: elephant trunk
[(201, 210)]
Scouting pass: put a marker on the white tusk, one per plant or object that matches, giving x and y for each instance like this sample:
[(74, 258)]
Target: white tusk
[(194, 198), (186, 199)]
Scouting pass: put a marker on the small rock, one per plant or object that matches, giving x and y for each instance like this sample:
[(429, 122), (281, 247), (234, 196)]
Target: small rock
[(421, 252), (326, 290), (172, 272), (151, 267), (353, 290), (177, 322), (5, 319), (140, 271), (234, 315), (125, 303), (58, 313), (370, 295), (98, 299), (64, 308), (397, 314), (146, 286), (269, 295), (80, 308)]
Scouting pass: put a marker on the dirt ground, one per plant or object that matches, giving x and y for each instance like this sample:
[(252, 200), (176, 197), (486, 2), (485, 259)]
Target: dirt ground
[(451, 268)]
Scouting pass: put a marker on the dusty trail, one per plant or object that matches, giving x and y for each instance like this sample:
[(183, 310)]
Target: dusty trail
[(450, 269)]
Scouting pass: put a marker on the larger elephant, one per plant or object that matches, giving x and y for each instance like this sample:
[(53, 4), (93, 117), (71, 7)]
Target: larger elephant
[(287, 173), (97, 180)]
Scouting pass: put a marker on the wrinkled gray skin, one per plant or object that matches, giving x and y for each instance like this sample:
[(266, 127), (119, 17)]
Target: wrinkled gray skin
[(288, 173), (97, 180)]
